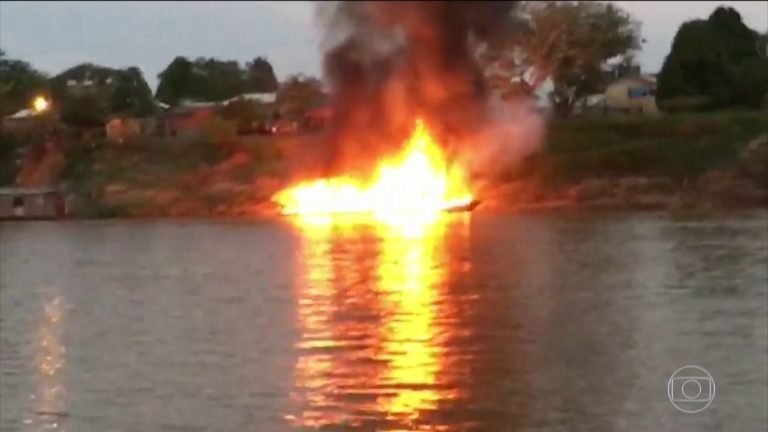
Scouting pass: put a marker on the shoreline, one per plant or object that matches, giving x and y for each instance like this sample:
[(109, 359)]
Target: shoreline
[(671, 204)]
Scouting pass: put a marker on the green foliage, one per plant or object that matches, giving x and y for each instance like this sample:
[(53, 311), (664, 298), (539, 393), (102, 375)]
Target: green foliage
[(715, 58), (99, 75), (89, 78), (209, 79), (84, 110), (298, 94), (19, 84), (261, 77), (99, 91), (686, 103), (566, 41), (175, 81), (10, 147), (752, 76), (132, 95), (681, 146)]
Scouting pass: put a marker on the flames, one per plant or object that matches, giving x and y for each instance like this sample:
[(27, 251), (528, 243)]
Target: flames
[(418, 180)]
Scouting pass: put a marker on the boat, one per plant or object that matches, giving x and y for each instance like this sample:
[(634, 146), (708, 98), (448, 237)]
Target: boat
[(468, 207), (460, 208)]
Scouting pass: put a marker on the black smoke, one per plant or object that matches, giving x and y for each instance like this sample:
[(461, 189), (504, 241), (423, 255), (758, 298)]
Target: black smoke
[(389, 62)]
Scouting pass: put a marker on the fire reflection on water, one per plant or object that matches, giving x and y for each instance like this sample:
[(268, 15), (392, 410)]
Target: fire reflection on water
[(369, 306), (49, 409)]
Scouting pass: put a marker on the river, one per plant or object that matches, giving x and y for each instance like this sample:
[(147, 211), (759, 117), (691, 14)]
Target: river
[(482, 322)]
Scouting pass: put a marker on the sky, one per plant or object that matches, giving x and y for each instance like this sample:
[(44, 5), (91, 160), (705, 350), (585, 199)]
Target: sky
[(56, 35)]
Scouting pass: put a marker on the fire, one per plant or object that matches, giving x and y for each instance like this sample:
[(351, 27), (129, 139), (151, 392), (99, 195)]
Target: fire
[(418, 180)]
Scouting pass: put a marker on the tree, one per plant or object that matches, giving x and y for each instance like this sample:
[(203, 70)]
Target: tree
[(244, 112), (298, 93), (90, 78), (261, 78), (752, 76), (175, 81), (19, 84), (219, 80), (131, 94), (567, 42), (213, 80), (88, 110), (712, 58)]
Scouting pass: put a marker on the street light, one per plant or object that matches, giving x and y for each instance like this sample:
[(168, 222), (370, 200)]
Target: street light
[(40, 104)]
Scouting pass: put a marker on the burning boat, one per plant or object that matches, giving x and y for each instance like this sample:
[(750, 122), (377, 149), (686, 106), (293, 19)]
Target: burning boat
[(419, 179), (407, 94)]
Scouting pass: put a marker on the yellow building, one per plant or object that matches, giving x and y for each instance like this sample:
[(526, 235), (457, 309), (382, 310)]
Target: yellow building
[(632, 95)]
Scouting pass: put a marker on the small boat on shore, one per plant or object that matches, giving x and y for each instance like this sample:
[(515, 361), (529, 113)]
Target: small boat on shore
[(468, 207), (18, 203), (459, 208)]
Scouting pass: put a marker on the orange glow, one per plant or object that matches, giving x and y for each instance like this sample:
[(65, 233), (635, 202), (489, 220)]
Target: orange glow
[(409, 268), (372, 312), (418, 180)]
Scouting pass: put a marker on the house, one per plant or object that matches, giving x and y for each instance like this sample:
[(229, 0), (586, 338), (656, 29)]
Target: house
[(313, 114), (317, 117), (28, 123), (592, 104), (86, 78), (120, 129), (20, 122), (630, 95), (266, 98), (32, 203), (187, 122)]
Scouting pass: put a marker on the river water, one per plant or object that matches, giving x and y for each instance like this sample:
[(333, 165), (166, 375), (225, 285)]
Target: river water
[(482, 322)]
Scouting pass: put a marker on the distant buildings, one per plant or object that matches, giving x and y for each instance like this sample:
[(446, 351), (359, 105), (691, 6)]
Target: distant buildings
[(186, 122), (120, 129), (86, 78)]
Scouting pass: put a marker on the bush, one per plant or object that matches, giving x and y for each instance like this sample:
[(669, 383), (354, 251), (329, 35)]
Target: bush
[(686, 103), (10, 147), (674, 146), (753, 81)]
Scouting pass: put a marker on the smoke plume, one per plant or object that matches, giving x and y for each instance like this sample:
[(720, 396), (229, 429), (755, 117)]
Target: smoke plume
[(390, 62)]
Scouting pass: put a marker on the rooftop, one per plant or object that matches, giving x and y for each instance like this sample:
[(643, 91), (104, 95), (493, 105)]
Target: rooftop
[(25, 113)]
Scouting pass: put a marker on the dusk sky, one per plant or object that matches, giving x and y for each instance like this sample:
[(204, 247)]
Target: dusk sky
[(56, 35)]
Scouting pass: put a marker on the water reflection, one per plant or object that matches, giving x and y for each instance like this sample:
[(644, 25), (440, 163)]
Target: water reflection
[(49, 407), (372, 312)]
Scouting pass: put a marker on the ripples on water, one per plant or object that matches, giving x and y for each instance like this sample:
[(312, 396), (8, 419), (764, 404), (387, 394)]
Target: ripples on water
[(489, 323)]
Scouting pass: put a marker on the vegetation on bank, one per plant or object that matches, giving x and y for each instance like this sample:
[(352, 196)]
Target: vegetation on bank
[(702, 159), (680, 147), (583, 159), (713, 64)]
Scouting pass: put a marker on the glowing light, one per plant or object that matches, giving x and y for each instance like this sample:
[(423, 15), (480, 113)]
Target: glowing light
[(40, 104), (418, 180)]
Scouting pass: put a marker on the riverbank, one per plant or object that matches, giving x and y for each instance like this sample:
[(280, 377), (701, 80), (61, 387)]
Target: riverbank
[(692, 161), (699, 161)]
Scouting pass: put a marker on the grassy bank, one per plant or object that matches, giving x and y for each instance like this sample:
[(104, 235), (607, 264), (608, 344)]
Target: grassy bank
[(170, 178), (669, 156), (620, 161), (674, 146)]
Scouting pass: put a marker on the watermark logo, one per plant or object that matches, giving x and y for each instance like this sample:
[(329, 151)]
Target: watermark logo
[(691, 389)]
